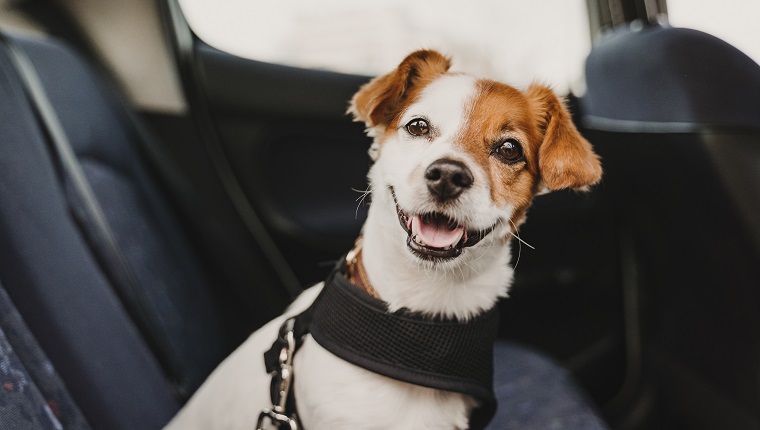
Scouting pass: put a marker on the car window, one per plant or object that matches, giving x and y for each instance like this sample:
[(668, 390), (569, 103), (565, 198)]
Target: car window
[(514, 41), (734, 21)]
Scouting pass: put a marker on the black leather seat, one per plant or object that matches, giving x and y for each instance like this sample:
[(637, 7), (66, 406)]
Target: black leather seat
[(675, 114)]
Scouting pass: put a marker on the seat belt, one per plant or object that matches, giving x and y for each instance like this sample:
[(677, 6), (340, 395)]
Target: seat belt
[(32, 395), (169, 173), (89, 214)]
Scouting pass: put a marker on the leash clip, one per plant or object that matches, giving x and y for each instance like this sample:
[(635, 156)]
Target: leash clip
[(282, 381), (277, 419)]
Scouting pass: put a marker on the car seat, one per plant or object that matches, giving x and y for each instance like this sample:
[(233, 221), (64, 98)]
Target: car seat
[(675, 115), (58, 277)]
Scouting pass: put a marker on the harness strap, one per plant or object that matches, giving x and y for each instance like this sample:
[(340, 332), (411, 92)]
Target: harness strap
[(441, 353)]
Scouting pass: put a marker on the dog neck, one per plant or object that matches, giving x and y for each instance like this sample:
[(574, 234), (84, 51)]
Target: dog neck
[(355, 271), (461, 289)]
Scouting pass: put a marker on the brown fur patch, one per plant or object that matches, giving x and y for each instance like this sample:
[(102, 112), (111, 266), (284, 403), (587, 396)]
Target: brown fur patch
[(554, 151), (379, 101), (566, 159), (500, 112)]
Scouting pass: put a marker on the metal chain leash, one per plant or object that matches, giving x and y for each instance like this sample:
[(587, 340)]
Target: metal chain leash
[(282, 381)]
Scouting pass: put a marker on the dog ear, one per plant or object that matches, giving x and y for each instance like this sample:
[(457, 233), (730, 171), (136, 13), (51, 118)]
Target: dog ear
[(378, 101), (565, 158)]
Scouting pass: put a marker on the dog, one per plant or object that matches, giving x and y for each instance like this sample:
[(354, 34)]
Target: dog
[(457, 163)]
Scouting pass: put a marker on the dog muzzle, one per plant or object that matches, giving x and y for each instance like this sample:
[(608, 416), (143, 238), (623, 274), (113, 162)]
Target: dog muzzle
[(435, 236)]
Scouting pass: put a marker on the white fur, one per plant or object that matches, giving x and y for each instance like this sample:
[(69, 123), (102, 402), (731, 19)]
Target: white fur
[(474, 281), (333, 394)]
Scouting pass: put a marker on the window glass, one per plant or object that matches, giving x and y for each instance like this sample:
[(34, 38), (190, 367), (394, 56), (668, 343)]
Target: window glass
[(515, 41), (735, 21)]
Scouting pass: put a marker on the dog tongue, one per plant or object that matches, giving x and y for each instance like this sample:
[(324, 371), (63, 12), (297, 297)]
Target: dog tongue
[(436, 234)]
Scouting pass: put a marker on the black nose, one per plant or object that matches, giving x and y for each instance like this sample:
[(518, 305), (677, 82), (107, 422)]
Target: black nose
[(446, 179)]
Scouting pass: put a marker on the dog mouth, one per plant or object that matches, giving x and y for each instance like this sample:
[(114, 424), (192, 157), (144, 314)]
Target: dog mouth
[(435, 235)]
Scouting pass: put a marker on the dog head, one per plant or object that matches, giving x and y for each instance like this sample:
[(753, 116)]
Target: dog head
[(460, 159)]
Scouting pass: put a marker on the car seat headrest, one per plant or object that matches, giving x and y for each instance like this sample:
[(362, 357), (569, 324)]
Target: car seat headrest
[(666, 79)]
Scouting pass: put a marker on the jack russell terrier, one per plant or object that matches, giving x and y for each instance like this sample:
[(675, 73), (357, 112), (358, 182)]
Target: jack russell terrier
[(457, 162)]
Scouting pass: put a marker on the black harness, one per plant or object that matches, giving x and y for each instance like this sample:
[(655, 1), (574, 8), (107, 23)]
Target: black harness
[(439, 353)]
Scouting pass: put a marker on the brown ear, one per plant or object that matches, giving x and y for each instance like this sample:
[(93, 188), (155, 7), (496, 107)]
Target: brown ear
[(378, 101), (565, 158)]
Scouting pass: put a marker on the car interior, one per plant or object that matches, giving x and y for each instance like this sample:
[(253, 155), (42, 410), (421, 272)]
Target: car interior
[(142, 242)]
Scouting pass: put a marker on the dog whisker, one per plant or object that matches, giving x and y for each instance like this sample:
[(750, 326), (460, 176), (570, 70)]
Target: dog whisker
[(484, 250), (519, 244), (461, 273), (472, 268), (362, 192), (518, 236), (360, 199)]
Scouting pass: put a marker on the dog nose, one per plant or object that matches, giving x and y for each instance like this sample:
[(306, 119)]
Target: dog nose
[(446, 179)]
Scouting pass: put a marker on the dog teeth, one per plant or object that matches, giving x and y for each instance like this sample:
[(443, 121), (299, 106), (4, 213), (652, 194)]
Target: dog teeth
[(418, 241)]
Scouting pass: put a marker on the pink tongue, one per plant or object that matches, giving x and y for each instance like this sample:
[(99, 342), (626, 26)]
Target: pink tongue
[(436, 235)]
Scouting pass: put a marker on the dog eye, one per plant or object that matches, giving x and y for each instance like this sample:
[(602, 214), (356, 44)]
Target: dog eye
[(509, 151), (418, 127)]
